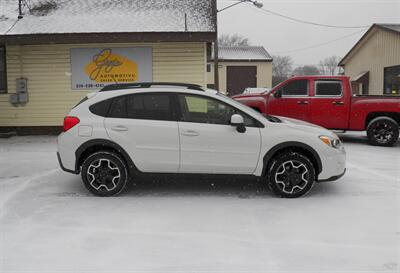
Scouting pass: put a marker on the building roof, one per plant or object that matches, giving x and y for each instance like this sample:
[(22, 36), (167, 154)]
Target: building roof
[(243, 53), (108, 16), (394, 28)]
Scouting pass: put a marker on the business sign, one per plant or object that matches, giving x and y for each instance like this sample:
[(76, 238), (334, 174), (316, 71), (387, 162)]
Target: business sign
[(93, 68)]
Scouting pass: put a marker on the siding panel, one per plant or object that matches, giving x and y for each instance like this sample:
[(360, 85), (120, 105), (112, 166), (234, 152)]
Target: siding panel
[(47, 68)]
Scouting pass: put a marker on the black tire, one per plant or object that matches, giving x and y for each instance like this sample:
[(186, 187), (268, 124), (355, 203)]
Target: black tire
[(104, 174), (383, 131), (291, 175)]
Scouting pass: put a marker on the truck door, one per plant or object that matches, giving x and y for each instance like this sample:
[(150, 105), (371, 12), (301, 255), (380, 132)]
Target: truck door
[(291, 100), (329, 106)]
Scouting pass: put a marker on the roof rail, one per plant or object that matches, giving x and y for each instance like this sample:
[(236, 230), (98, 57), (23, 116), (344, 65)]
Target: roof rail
[(119, 86)]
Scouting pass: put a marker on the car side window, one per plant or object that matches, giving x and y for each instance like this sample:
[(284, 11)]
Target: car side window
[(207, 110), (295, 88), (152, 106), (118, 108), (328, 88), (101, 108)]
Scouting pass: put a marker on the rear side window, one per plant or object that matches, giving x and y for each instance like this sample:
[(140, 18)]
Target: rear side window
[(295, 88), (101, 108), (328, 88), (153, 106), (118, 108)]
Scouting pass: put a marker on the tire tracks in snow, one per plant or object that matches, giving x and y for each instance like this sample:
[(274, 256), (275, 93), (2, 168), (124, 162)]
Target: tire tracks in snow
[(23, 186)]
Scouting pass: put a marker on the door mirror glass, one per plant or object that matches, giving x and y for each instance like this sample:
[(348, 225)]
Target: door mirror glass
[(237, 120), (278, 94)]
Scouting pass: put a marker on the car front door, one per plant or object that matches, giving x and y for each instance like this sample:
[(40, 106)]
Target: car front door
[(145, 126), (329, 106), (291, 100), (209, 144)]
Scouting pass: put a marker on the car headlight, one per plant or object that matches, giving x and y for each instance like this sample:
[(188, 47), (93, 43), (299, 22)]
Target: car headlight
[(330, 141)]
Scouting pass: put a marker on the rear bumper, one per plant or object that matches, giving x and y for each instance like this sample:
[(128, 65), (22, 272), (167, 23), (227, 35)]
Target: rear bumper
[(62, 166), (333, 178)]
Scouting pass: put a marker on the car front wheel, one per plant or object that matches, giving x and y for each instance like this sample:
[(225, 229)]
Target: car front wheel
[(291, 175), (104, 174)]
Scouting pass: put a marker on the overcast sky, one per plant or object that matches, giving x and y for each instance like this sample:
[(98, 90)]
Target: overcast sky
[(285, 37)]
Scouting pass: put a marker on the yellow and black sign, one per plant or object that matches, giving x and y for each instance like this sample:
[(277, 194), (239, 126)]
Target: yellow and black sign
[(93, 68)]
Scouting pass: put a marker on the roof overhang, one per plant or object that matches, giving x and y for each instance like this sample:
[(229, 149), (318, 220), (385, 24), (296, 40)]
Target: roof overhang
[(242, 60), (360, 77), (119, 37), (359, 42)]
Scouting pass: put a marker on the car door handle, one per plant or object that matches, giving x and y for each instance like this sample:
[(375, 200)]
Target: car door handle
[(302, 102), (119, 128), (337, 102), (190, 133)]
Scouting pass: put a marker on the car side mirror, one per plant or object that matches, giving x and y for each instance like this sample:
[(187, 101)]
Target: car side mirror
[(278, 94), (237, 120)]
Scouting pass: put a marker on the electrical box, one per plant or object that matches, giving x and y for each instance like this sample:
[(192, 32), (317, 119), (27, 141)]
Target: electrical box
[(21, 97), (14, 99), (22, 85)]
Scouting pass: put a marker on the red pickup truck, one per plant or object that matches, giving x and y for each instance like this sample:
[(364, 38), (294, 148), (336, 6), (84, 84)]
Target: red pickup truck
[(328, 101)]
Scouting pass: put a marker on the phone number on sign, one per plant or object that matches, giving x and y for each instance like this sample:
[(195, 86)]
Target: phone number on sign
[(89, 85)]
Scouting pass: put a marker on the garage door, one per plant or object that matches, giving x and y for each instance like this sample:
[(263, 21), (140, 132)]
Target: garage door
[(239, 78)]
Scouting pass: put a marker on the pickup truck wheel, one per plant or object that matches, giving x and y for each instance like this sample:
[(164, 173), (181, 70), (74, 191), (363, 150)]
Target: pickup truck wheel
[(291, 175), (104, 174), (383, 131)]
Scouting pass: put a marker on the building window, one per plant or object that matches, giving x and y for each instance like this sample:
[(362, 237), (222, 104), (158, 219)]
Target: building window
[(391, 84), (3, 74), (208, 67)]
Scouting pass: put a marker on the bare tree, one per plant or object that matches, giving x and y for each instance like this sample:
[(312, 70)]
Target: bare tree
[(329, 65), (281, 68), (306, 70), (232, 40)]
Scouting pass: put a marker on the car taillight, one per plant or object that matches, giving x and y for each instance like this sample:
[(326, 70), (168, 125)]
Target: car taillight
[(70, 122)]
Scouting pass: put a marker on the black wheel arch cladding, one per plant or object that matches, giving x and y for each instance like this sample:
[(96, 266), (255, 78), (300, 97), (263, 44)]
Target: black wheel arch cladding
[(292, 145)]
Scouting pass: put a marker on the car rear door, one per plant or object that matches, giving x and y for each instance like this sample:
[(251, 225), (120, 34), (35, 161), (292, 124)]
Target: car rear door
[(145, 126), (329, 105), (209, 144), (291, 100)]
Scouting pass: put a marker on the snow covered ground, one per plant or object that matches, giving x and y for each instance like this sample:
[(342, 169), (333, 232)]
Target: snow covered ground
[(49, 223)]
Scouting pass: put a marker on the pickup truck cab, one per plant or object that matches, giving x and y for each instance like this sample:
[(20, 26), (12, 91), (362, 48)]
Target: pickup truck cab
[(327, 101)]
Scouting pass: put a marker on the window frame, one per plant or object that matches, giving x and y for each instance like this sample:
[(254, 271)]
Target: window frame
[(295, 96), (257, 124), (384, 80), (5, 91), (329, 82)]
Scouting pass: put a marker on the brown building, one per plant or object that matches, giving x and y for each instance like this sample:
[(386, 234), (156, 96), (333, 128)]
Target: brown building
[(241, 67), (373, 64)]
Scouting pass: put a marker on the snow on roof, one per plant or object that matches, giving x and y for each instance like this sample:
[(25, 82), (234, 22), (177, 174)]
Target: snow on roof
[(100, 16), (394, 27), (244, 53)]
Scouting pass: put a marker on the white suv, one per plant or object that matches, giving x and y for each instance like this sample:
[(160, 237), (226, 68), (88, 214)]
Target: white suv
[(126, 129)]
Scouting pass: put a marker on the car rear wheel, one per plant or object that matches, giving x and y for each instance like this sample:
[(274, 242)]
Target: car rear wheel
[(291, 175), (383, 131), (104, 174)]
